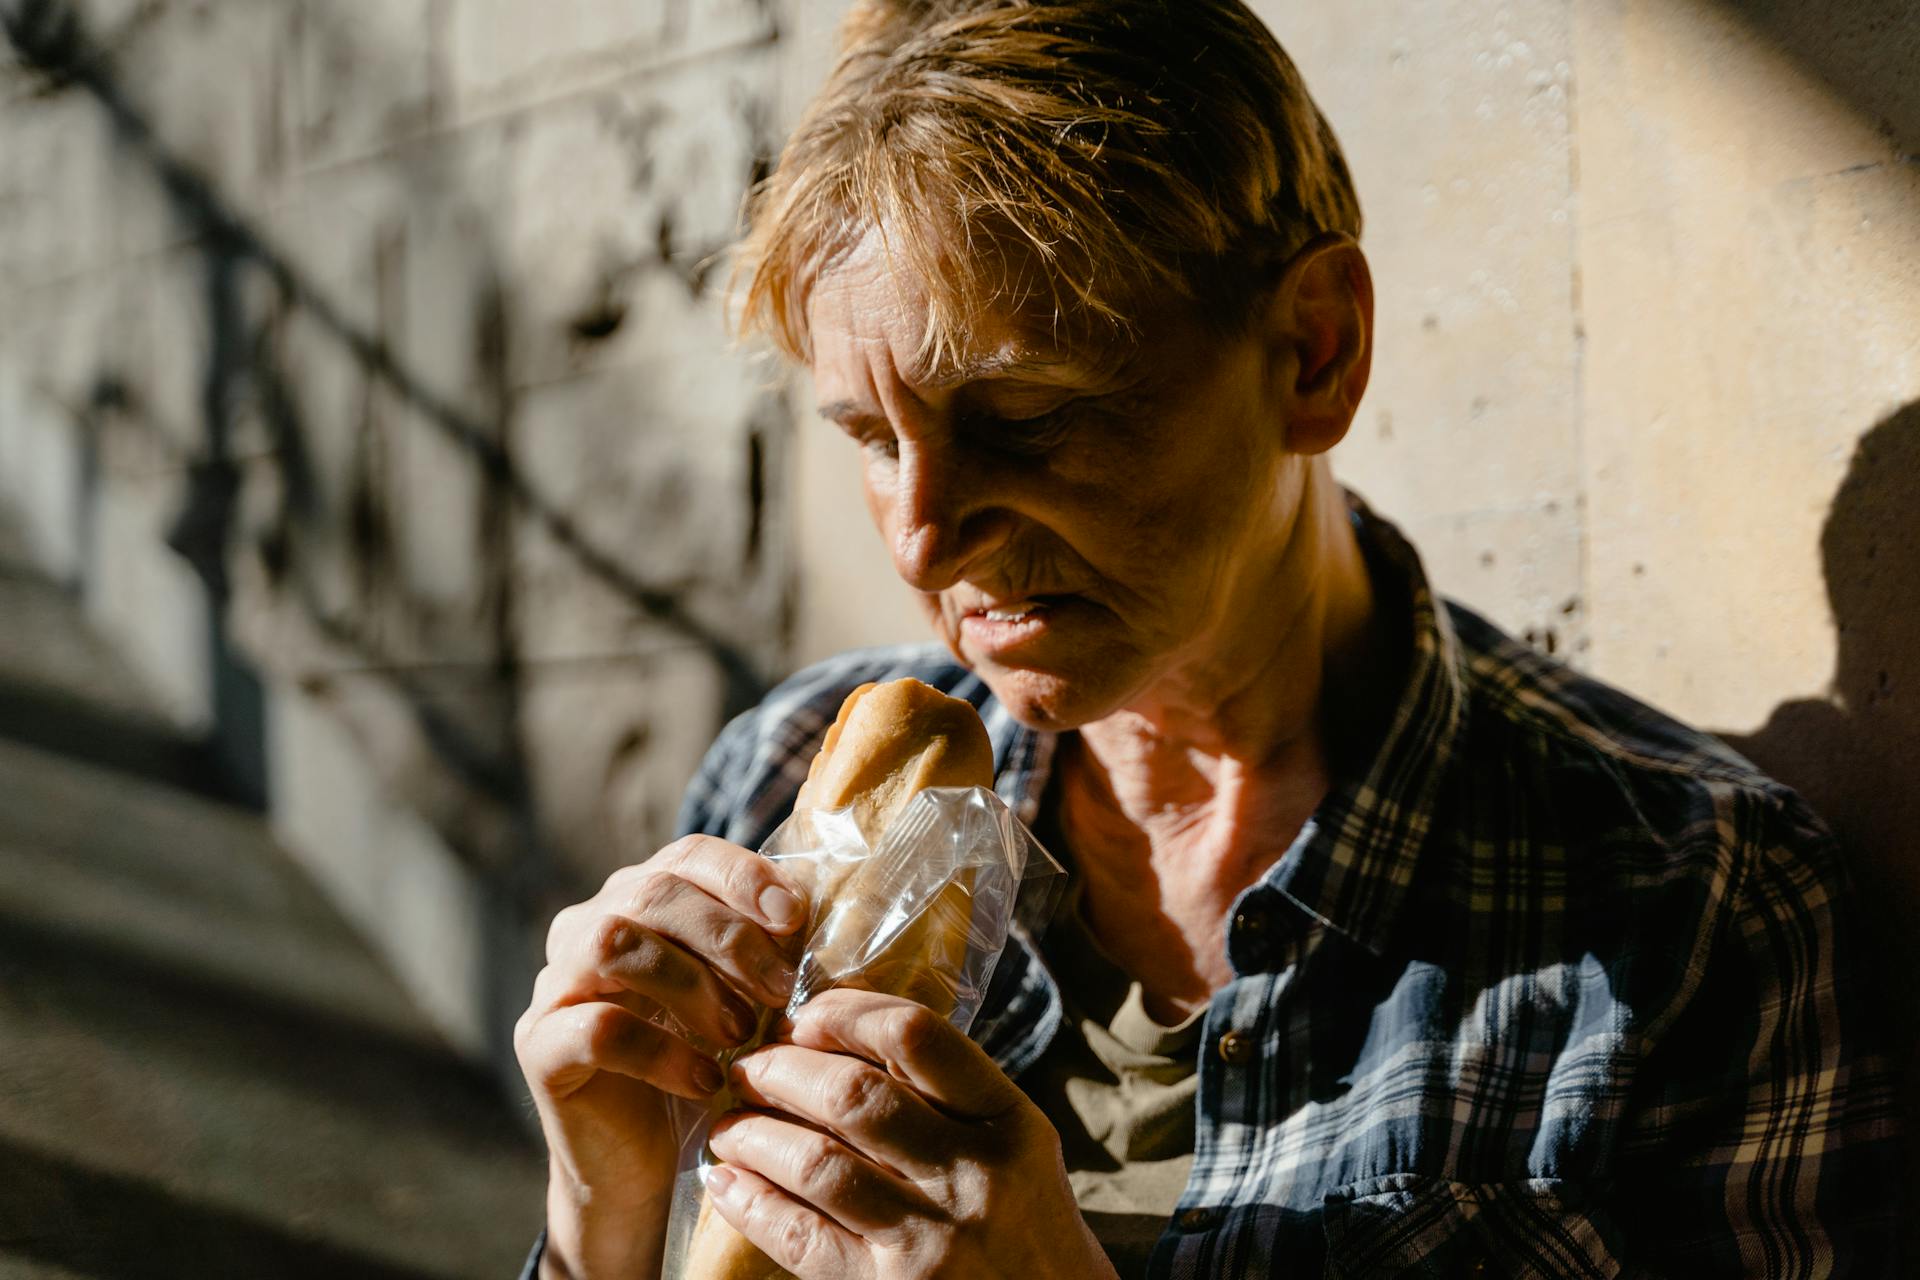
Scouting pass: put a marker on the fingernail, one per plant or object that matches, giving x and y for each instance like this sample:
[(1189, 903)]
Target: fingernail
[(780, 907), (707, 1076), (739, 1023), (719, 1181)]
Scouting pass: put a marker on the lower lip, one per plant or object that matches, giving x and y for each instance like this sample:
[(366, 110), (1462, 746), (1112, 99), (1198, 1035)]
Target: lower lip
[(995, 635)]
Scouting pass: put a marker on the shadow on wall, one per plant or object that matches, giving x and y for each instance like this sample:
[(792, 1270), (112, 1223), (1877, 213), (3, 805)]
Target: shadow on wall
[(1864, 50), (1856, 754), (321, 554)]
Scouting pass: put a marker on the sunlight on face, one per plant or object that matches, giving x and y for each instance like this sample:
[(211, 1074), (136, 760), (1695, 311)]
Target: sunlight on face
[(1080, 524)]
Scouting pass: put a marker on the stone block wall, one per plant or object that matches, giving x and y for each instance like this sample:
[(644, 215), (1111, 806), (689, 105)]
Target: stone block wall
[(362, 366)]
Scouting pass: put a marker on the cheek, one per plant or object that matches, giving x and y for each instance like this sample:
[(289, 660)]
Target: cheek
[(1220, 494), (1185, 535), (1152, 526)]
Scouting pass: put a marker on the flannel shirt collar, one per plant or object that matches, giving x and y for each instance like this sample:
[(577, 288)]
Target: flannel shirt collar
[(1352, 864)]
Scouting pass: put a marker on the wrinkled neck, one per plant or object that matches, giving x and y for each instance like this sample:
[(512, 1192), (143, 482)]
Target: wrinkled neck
[(1251, 705)]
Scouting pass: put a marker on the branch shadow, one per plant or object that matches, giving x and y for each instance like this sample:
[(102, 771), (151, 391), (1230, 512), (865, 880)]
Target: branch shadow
[(472, 726), (1864, 50), (48, 35)]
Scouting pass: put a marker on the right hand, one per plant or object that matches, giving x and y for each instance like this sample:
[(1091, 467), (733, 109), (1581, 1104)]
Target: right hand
[(645, 981)]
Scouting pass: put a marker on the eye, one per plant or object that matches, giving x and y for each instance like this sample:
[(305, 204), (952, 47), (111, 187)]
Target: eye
[(875, 437), (1024, 436)]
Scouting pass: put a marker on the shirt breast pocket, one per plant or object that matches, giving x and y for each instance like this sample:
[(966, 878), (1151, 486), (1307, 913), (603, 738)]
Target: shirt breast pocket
[(1408, 1227)]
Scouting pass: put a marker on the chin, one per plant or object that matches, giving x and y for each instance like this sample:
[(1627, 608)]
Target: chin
[(1053, 700), (1082, 670)]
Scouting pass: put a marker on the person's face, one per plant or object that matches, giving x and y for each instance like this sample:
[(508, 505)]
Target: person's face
[(1081, 527)]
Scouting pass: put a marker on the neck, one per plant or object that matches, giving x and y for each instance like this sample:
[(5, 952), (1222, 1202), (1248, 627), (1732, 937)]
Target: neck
[(1250, 706), (1193, 790)]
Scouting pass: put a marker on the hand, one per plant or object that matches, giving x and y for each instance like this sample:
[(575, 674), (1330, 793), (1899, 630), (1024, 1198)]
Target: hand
[(895, 1149), (644, 983)]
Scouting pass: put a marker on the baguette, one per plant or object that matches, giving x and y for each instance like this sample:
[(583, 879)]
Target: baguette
[(889, 742)]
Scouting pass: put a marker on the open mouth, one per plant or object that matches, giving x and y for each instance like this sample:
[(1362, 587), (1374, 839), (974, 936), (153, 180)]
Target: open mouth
[(1016, 610), (1012, 623)]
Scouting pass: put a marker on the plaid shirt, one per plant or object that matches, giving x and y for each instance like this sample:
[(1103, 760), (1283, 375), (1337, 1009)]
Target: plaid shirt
[(1559, 988)]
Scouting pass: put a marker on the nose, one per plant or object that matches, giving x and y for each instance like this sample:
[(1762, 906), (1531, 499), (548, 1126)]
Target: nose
[(943, 520)]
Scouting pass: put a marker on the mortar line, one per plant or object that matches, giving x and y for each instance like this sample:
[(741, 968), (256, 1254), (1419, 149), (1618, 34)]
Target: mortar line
[(1583, 505)]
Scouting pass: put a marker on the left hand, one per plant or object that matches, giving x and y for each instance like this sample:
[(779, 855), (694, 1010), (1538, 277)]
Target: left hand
[(899, 1149)]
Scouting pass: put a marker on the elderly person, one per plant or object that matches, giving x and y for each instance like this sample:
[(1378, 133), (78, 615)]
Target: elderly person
[(1392, 946)]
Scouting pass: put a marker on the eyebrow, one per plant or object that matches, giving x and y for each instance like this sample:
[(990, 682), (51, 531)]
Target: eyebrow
[(998, 364), (846, 412)]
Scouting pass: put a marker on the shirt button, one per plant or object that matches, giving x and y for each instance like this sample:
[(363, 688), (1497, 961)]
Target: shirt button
[(1196, 1219), (1236, 1048)]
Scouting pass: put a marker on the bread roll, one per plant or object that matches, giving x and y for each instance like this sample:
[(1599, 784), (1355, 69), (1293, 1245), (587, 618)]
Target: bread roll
[(889, 742)]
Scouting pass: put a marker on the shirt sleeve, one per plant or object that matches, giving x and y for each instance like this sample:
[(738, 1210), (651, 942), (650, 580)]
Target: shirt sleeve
[(1762, 1139), (706, 805)]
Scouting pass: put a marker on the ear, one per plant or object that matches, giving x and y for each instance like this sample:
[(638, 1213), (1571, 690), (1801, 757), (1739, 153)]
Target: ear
[(1319, 321)]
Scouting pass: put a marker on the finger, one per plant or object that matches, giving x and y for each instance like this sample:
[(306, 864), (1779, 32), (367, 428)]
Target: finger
[(738, 948), (551, 991), (566, 923), (883, 1118), (740, 878), (620, 954), (820, 1170), (913, 1044), (562, 1049), (796, 1236)]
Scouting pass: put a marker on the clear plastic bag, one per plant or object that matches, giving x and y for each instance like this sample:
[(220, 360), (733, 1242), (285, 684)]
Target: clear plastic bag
[(925, 915)]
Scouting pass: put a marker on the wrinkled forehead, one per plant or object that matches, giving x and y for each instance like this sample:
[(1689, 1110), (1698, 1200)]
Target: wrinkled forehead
[(872, 302)]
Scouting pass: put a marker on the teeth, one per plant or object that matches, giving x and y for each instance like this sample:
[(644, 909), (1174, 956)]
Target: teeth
[(1011, 613)]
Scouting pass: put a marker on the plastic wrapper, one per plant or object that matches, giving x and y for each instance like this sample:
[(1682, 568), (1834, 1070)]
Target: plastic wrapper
[(925, 915)]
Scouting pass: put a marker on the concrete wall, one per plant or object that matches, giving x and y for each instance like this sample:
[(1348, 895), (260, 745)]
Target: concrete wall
[(361, 365)]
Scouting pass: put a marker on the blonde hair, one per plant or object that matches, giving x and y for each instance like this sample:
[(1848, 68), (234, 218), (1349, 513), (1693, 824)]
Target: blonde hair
[(1131, 150)]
